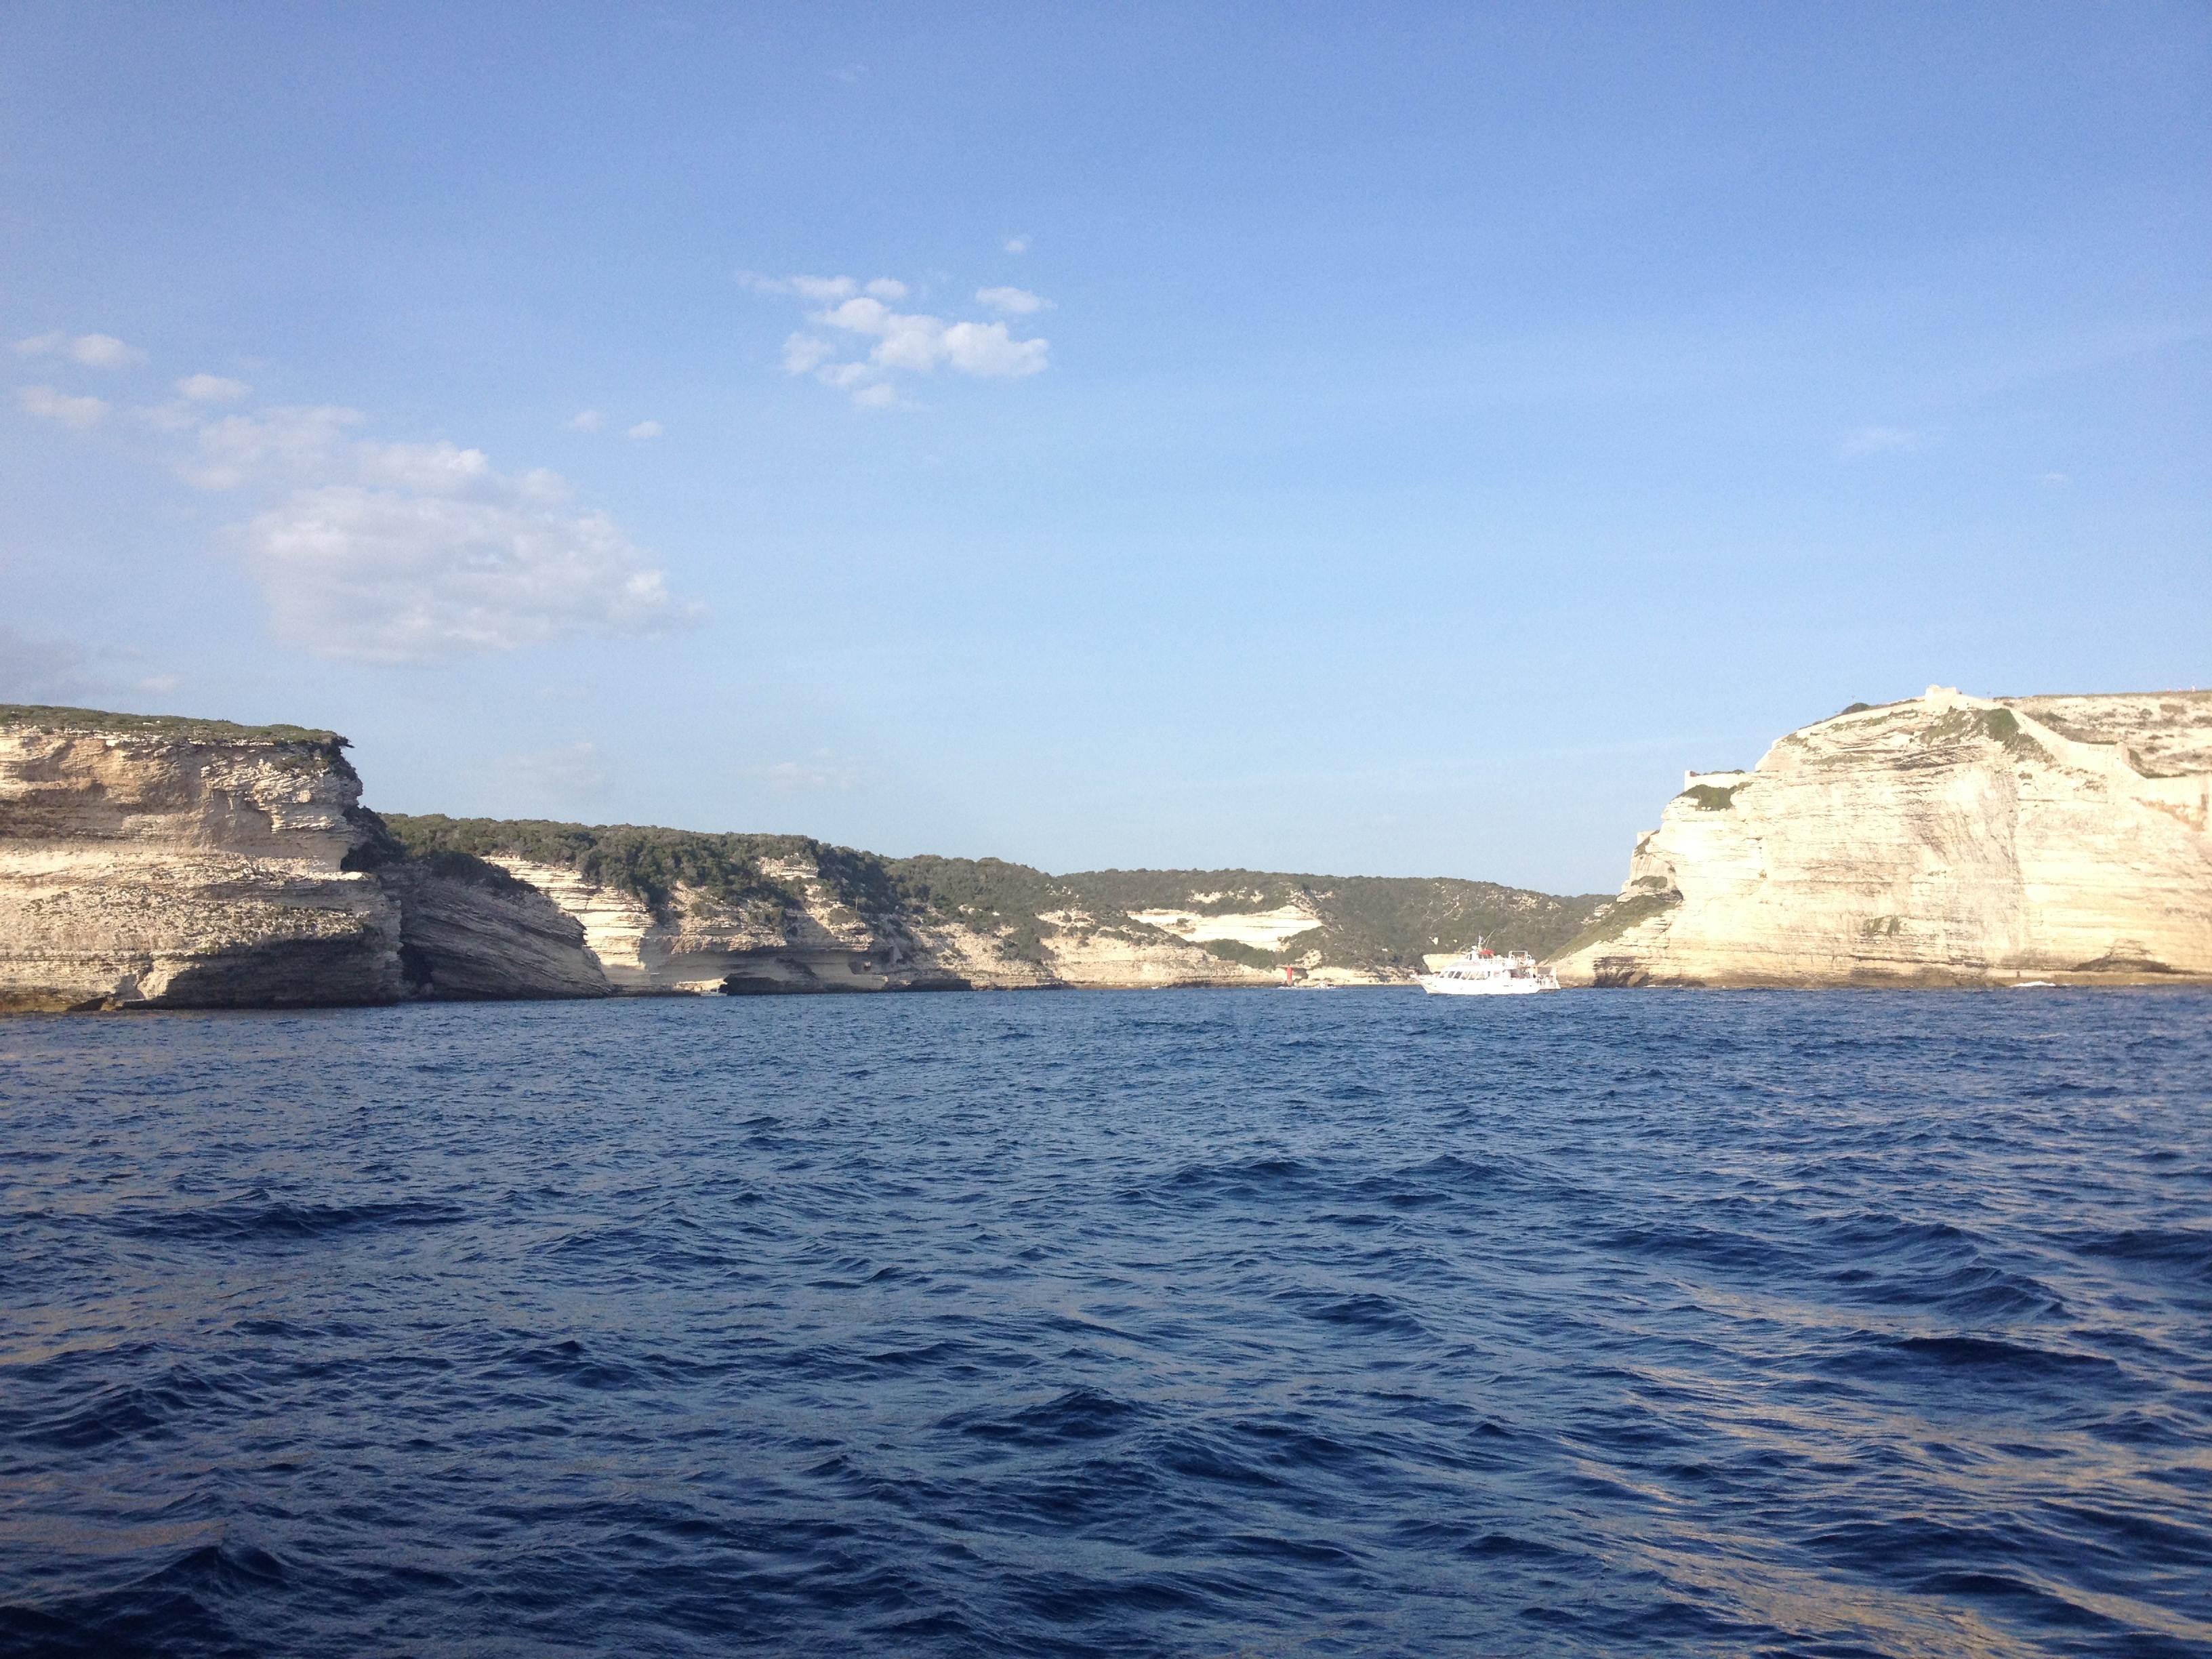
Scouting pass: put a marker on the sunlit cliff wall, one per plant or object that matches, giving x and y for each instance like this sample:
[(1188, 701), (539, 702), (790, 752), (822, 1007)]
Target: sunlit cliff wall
[(1950, 840), (146, 861)]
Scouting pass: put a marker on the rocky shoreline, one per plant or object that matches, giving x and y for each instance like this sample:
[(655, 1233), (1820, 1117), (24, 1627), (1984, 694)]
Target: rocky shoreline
[(154, 861)]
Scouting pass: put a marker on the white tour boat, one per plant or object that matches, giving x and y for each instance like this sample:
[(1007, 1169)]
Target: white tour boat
[(1482, 972)]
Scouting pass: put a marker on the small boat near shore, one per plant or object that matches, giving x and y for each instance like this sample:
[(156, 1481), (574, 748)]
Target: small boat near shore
[(1483, 972)]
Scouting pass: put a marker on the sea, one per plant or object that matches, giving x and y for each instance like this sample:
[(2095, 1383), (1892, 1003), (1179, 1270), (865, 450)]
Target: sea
[(1187, 1322)]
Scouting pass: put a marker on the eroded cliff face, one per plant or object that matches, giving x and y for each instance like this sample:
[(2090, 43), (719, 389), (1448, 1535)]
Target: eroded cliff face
[(153, 866), (1950, 840), (467, 935), (147, 862), (695, 942)]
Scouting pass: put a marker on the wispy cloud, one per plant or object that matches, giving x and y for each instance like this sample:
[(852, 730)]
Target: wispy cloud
[(904, 343), (818, 289), (93, 350), (33, 670), (403, 553), (585, 420), (822, 770), (1015, 302), (1887, 439), (211, 389), (645, 429), (77, 414), (1016, 244), (573, 772)]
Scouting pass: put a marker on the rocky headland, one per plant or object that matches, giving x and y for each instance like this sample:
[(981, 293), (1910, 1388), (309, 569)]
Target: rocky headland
[(1945, 841), (155, 861), (158, 862)]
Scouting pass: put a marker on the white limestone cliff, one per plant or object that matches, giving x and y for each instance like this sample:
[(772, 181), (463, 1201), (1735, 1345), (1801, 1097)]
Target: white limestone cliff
[(147, 862), (143, 866), (696, 943), (1950, 840)]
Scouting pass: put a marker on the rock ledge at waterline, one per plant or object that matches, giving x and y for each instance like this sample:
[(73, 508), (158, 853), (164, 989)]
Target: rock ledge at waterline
[(1945, 841)]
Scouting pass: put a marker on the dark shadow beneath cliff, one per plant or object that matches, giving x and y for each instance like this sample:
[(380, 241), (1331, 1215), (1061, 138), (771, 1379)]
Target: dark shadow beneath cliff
[(305, 973), (797, 980), (471, 933)]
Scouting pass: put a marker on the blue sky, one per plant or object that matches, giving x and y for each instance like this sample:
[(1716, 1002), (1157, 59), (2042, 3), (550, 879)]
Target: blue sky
[(1390, 440)]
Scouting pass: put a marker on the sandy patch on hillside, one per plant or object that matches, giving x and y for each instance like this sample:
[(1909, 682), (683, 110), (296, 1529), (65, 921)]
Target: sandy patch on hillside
[(1265, 930)]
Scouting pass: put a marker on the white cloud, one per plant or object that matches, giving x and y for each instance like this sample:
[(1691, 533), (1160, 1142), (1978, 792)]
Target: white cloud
[(77, 414), (396, 552), (820, 290), (1887, 439), (1015, 302), (446, 468), (2057, 480), (824, 771), (211, 389), (290, 441), (984, 349), (414, 553), (104, 352), (1016, 244), (905, 342), (93, 350), (390, 577), (585, 420)]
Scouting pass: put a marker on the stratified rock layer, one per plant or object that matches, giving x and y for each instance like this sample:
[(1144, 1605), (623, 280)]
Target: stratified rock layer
[(670, 910), (477, 935), (1947, 840), (149, 862), (817, 942)]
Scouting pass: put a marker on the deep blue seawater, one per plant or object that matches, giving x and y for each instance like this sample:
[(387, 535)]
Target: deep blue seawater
[(1189, 1323)]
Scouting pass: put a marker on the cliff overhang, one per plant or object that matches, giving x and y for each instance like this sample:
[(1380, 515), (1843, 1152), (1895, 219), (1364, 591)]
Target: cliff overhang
[(149, 862)]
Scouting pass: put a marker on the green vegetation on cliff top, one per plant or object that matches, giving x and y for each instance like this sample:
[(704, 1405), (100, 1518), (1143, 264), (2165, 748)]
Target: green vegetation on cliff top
[(631, 858), (1624, 914), (1359, 920), (44, 717)]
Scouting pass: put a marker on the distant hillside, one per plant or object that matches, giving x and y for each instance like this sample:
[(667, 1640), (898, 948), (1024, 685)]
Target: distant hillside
[(1358, 921), (1253, 917)]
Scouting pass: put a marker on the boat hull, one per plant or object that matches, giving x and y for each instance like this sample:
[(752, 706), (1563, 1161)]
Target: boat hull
[(1500, 987)]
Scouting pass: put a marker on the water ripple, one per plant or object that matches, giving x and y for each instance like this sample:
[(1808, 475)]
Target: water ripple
[(1181, 1324)]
